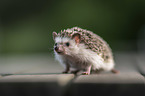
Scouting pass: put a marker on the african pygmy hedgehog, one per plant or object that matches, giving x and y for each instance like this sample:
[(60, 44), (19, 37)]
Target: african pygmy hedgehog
[(81, 50)]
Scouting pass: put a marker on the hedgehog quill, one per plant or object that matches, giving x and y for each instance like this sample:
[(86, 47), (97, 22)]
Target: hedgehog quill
[(81, 50)]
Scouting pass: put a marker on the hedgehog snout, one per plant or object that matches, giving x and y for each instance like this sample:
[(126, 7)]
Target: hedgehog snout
[(58, 49)]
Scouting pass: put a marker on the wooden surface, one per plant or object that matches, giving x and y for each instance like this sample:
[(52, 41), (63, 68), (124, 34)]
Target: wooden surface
[(140, 64), (40, 75)]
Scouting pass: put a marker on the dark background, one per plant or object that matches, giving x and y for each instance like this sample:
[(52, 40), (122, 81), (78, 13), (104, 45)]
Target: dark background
[(26, 26)]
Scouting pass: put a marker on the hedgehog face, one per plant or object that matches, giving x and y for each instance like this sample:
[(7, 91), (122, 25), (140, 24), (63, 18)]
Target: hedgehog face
[(66, 45)]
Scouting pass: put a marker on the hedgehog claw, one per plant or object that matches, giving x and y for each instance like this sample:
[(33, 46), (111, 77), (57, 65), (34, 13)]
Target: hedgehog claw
[(85, 73)]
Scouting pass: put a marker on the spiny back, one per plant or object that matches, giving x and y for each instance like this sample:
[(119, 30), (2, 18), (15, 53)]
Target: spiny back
[(91, 40)]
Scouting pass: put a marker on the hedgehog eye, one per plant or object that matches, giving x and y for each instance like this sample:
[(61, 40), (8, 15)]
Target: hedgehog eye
[(67, 44), (55, 44)]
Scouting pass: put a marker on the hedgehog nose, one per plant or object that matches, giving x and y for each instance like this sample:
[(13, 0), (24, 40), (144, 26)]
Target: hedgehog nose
[(58, 50)]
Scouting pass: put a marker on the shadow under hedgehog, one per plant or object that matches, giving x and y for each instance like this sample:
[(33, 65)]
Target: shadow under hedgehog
[(81, 50)]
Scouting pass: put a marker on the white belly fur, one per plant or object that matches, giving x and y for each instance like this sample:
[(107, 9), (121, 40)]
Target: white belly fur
[(84, 58)]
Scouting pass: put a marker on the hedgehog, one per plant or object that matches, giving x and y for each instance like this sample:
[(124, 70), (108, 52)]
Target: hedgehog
[(80, 50)]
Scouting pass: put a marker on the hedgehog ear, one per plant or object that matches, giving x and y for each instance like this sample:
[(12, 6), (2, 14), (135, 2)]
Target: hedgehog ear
[(54, 35), (76, 37)]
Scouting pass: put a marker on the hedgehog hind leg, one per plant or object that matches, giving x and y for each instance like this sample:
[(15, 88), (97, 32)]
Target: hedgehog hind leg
[(87, 70), (114, 71)]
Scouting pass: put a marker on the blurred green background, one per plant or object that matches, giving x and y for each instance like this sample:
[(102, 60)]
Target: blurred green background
[(26, 26)]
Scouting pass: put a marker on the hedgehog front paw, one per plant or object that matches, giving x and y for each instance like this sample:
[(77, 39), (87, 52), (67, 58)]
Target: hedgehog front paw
[(85, 73)]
